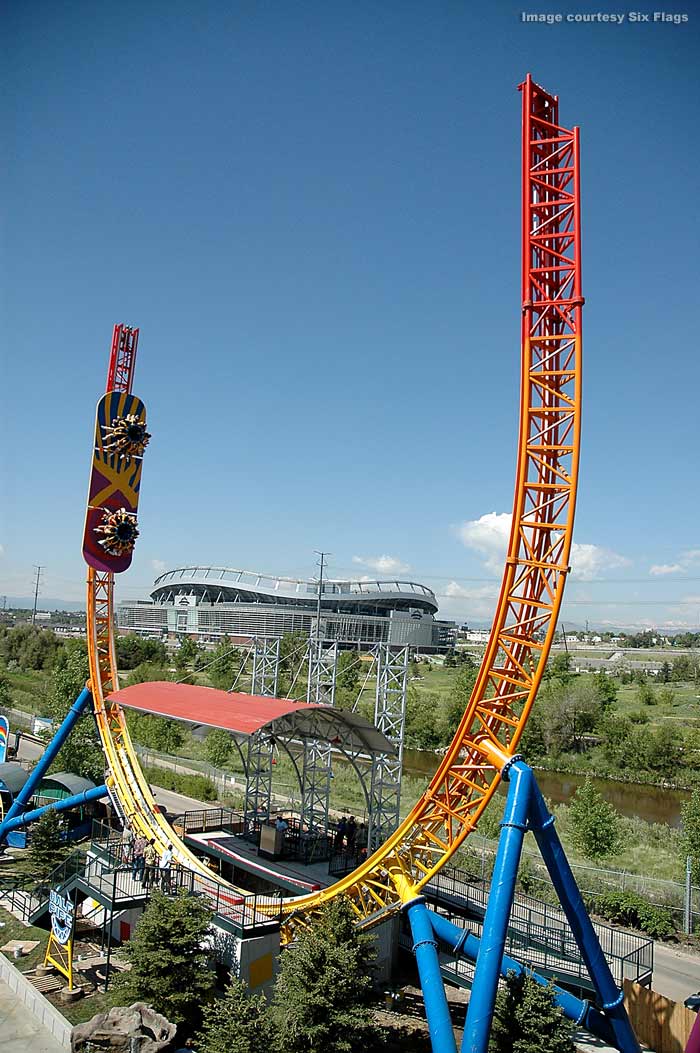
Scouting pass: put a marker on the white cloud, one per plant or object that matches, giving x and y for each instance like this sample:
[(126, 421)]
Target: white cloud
[(665, 568), (2, 550), (159, 565), (382, 564), (489, 536), (592, 561), (686, 561), (460, 601)]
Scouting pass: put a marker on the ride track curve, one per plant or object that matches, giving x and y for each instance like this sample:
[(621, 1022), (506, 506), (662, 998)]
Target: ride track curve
[(536, 564)]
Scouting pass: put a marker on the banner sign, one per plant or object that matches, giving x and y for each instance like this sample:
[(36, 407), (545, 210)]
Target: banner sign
[(59, 950), (4, 732), (62, 914)]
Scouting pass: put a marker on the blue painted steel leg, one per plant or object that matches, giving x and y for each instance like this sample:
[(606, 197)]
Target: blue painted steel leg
[(62, 805), (462, 943), (488, 963), (611, 998), (23, 797), (437, 1012)]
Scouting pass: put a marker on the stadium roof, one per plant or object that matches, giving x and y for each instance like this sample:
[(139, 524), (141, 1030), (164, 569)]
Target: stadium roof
[(243, 715), (222, 583)]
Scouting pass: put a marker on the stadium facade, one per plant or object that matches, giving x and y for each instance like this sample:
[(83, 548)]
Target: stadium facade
[(211, 602)]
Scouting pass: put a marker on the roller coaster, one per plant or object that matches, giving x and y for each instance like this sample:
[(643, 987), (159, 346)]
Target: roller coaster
[(536, 565)]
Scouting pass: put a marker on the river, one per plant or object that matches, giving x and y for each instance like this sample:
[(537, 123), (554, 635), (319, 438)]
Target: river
[(650, 803)]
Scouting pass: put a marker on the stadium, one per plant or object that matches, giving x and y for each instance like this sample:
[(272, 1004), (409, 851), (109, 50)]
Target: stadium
[(210, 602)]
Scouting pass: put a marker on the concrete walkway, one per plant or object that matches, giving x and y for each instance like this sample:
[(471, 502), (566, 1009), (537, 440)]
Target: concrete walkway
[(20, 1031)]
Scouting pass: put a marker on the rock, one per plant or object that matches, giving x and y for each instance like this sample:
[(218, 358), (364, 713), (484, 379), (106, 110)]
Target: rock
[(116, 1030)]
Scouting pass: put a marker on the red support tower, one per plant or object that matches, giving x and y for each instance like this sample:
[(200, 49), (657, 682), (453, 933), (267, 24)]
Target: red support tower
[(122, 359)]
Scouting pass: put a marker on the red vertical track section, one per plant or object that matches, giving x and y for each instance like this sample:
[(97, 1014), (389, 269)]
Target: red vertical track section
[(536, 566), (122, 359), (537, 562)]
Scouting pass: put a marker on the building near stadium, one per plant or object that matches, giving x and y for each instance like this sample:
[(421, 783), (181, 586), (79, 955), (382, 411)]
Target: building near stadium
[(211, 602)]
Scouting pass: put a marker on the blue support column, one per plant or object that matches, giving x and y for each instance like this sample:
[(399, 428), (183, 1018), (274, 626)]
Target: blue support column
[(437, 1012), (611, 998), (61, 805), (488, 963), (23, 797), (462, 943)]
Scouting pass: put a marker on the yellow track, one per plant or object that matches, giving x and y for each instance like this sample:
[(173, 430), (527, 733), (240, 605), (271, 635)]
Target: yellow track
[(531, 592), (505, 689), (125, 779)]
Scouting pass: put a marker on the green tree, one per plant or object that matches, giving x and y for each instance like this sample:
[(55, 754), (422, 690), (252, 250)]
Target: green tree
[(690, 833), (187, 654), (157, 733), (169, 959), (133, 650), (559, 666), (421, 726), (321, 993), (5, 692), (454, 704), (217, 747), (646, 695), (46, 846), (595, 825), (348, 671), (570, 708), (225, 665), (527, 1020), (237, 1023), (606, 689), (82, 751), (146, 673)]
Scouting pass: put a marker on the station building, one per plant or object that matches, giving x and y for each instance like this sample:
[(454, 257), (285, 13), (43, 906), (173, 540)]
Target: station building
[(211, 602)]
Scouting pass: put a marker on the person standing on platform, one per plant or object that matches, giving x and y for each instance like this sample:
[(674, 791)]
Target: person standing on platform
[(340, 835), (150, 858), (166, 861), (139, 861), (351, 833)]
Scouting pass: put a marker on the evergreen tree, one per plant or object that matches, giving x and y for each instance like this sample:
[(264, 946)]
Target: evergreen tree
[(595, 825), (321, 993), (47, 849), (526, 1019), (237, 1023), (168, 960)]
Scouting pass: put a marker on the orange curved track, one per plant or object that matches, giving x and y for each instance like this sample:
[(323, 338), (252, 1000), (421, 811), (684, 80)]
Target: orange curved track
[(536, 566)]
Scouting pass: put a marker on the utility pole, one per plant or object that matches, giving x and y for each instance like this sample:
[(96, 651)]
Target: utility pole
[(36, 590), (320, 591), (563, 636)]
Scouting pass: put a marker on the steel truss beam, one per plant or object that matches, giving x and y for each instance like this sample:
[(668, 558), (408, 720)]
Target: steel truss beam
[(390, 718), (266, 664), (258, 785), (317, 764), (537, 561)]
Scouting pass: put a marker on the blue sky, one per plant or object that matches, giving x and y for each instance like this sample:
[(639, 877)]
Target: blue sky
[(312, 212)]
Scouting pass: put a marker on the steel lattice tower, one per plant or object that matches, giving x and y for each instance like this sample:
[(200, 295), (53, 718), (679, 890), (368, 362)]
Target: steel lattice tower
[(390, 718)]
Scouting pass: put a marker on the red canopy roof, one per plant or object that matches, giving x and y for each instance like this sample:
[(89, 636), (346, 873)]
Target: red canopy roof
[(232, 711), (245, 714)]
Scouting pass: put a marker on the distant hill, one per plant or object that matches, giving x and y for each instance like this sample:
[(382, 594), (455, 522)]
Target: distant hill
[(46, 603)]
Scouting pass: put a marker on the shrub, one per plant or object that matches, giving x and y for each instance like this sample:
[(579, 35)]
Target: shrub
[(198, 786), (633, 910)]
